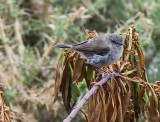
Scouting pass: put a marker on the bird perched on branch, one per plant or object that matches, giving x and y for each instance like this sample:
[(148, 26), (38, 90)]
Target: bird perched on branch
[(102, 50)]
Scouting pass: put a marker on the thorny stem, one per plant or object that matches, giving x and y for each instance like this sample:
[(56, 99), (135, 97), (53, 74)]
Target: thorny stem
[(86, 97)]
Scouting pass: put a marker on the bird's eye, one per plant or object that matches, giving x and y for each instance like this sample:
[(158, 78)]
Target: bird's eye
[(117, 43), (114, 41)]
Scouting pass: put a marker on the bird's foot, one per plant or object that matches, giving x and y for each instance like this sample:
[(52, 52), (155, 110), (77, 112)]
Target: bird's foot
[(116, 75), (104, 74)]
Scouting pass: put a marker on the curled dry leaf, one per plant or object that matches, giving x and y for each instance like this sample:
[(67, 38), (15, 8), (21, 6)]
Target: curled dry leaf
[(153, 108), (91, 34), (65, 86), (57, 78), (78, 70), (120, 99), (97, 107), (5, 113)]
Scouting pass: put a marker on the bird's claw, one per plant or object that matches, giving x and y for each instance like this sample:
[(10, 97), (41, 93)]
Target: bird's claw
[(116, 75)]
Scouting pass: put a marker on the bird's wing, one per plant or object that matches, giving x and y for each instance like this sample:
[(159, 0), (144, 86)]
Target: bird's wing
[(89, 49), (80, 43)]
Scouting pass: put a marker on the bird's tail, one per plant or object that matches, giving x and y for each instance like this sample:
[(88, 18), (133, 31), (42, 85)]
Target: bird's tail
[(63, 46)]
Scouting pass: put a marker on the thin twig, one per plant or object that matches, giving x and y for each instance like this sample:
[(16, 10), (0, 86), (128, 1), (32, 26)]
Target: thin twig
[(9, 52), (86, 97), (19, 37), (84, 114), (48, 50), (45, 10), (129, 22)]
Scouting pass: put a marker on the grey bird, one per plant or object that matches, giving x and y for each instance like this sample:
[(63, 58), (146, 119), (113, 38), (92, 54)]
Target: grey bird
[(102, 50)]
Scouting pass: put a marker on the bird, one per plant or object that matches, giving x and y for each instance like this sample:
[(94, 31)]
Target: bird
[(102, 50)]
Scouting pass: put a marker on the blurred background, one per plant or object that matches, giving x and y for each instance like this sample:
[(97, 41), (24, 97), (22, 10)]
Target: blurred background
[(30, 28)]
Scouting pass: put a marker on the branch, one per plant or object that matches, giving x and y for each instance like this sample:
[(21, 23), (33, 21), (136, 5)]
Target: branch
[(19, 40), (86, 97), (129, 22)]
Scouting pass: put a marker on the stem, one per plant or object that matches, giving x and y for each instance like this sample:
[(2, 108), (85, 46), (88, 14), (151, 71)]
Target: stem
[(86, 97)]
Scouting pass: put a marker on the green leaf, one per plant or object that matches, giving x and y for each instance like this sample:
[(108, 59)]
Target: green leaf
[(137, 89), (89, 72), (145, 101), (75, 92)]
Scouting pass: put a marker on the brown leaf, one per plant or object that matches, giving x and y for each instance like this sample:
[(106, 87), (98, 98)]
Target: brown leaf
[(103, 110), (140, 54), (57, 79), (71, 58), (96, 114), (153, 108), (111, 106), (110, 109), (129, 44), (83, 73), (141, 61), (144, 75), (119, 117), (78, 67), (126, 99), (91, 106), (97, 108), (140, 95), (65, 86), (91, 34), (125, 48)]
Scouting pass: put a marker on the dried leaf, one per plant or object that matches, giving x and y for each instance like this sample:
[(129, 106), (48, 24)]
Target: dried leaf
[(153, 108), (57, 79), (117, 100), (103, 110), (130, 43), (126, 99), (140, 95), (91, 106), (83, 73), (91, 34), (78, 67), (65, 86), (98, 112), (111, 107), (125, 48), (140, 55), (119, 117)]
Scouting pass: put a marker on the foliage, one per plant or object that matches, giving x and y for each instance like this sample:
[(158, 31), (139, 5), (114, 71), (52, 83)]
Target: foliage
[(30, 28), (29, 67), (10, 95), (120, 99)]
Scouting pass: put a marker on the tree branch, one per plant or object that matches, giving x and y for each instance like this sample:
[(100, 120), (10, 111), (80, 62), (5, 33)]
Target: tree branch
[(86, 97)]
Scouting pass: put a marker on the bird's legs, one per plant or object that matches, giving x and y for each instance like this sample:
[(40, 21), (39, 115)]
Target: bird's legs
[(113, 74)]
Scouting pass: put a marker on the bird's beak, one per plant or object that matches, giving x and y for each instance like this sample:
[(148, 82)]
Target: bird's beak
[(121, 44)]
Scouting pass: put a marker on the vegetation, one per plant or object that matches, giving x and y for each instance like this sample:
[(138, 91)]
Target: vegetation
[(126, 94), (30, 28)]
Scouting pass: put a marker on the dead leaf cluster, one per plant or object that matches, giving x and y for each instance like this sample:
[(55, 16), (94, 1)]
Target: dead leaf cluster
[(120, 99)]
